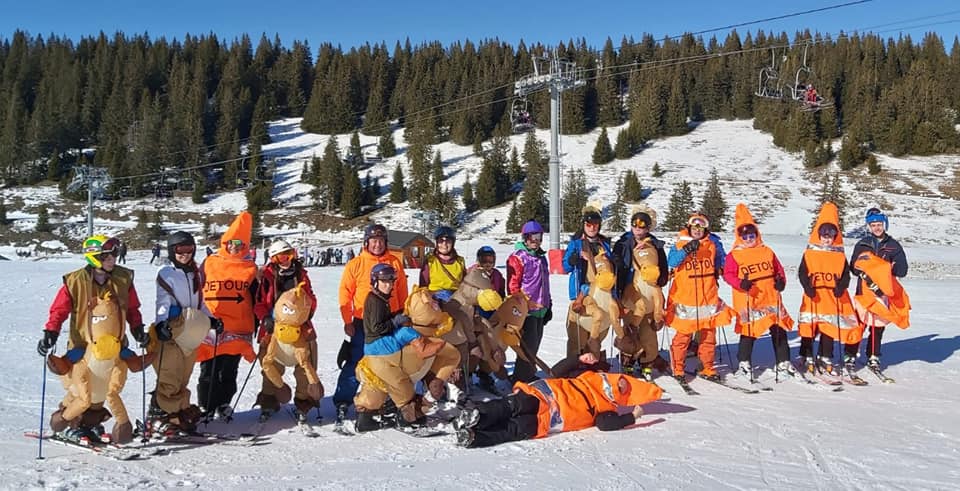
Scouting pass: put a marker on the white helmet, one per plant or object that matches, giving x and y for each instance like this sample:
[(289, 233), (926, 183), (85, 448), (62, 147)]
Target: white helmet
[(278, 246)]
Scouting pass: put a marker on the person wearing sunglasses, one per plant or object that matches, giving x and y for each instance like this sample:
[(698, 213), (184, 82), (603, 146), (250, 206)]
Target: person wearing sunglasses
[(182, 321), (285, 271), (354, 287), (639, 240), (694, 306), (757, 278), (578, 263), (230, 285), (882, 245), (528, 272), (99, 277), (825, 307)]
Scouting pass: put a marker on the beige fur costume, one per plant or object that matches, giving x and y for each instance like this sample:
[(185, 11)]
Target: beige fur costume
[(600, 310)]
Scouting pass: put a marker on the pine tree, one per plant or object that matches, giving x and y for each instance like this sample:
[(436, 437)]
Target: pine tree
[(328, 180), (398, 191), (657, 171), (207, 227), (515, 172), (143, 223), (469, 201), (533, 204), (199, 188), (713, 204), (602, 152), (681, 205), (156, 229), (615, 223), (418, 156), (385, 146), (624, 148), (831, 190), (873, 167), (574, 199), (435, 197), (513, 219), (493, 182), (632, 190), (43, 220), (350, 198)]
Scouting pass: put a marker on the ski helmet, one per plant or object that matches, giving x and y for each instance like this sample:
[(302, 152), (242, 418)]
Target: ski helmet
[(485, 251), (96, 245), (179, 238), (445, 231), (279, 246), (592, 216), (374, 230), (531, 227), (875, 215), (382, 271)]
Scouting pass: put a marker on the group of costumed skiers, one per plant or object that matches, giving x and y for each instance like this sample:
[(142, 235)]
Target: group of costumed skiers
[(457, 323)]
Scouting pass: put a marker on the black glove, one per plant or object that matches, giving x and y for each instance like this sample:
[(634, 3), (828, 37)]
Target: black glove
[(216, 325), (746, 285), (343, 356), (838, 290), (691, 247), (548, 316), (401, 319), (267, 324), (809, 291), (163, 330), (48, 342), (779, 283), (140, 335)]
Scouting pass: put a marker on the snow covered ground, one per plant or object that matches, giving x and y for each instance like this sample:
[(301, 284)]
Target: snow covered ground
[(898, 436)]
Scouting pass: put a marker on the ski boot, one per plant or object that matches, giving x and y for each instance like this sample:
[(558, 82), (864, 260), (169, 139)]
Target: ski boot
[(825, 364), (850, 363), (646, 373), (713, 377), (809, 365), (225, 413), (341, 413), (873, 362), (744, 371), (266, 413), (786, 369), (465, 437), (468, 418)]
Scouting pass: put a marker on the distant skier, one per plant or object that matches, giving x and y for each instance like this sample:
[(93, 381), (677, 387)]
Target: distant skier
[(156, 253)]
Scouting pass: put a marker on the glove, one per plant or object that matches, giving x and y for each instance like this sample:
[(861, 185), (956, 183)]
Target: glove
[(400, 320), (48, 342), (548, 316), (164, 333), (267, 325), (838, 290), (691, 247), (809, 291), (343, 356), (746, 285), (871, 285), (140, 335), (216, 325), (779, 283)]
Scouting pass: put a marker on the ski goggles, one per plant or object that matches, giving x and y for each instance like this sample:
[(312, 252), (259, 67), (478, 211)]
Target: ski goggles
[(184, 249), (109, 248), (697, 222), (534, 237), (748, 235), (284, 256), (640, 223)]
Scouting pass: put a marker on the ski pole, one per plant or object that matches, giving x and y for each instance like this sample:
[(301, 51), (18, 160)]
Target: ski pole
[(43, 398), (143, 391), (244, 386), (213, 378)]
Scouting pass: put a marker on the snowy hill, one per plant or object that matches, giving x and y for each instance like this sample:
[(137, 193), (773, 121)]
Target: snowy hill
[(919, 194)]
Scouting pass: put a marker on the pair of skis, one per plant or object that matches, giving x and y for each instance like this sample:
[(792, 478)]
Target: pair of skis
[(104, 449)]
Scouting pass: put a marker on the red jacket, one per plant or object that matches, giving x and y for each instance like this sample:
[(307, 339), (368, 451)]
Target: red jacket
[(268, 293), (63, 305)]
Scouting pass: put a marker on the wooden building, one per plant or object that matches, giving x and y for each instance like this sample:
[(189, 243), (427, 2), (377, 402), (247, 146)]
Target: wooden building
[(410, 246)]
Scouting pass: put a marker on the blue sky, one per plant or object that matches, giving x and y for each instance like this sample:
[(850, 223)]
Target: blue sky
[(351, 23)]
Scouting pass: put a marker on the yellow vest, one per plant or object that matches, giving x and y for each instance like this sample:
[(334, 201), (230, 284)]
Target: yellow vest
[(83, 290), (440, 279)]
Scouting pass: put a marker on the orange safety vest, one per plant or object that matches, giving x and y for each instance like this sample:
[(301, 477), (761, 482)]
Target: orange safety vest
[(227, 293), (879, 310), (694, 302), (824, 312), (570, 404), (762, 306)]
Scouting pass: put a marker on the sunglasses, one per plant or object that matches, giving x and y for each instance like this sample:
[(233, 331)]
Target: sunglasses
[(184, 249), (448, 240), (235, 243), (748, 235), (828, 235)]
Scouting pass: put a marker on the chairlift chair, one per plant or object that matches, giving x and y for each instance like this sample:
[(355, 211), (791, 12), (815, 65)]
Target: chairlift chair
[(520, 115), (768, 85), (126, 192), (804, 90), (186, 184), (243, 180), (163, 191), (264, 172)]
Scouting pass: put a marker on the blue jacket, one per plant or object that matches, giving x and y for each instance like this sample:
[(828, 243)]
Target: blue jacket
[(576, 266)]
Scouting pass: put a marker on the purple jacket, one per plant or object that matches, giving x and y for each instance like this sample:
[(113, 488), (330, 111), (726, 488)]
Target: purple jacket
[(528, 271)]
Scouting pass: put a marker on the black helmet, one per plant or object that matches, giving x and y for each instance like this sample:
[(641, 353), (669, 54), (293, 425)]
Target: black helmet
[(177, 239), (382, 271), (445, 231), (374, 230)]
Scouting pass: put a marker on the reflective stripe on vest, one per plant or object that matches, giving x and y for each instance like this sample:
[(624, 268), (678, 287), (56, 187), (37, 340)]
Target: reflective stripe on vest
[(692, 312), (556, 420)]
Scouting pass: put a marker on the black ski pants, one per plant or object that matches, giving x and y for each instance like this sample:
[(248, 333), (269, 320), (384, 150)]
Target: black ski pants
[(218, 381), (531, 336), (778, 337), (510, 419)]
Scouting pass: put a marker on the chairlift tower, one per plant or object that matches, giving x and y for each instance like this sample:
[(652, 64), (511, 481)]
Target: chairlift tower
[(95, 179), (558, 76)]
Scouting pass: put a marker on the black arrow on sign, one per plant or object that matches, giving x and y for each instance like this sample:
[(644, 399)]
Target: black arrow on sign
[(238, 298)]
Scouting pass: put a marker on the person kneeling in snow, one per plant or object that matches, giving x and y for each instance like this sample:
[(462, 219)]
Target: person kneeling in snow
[(555, 405)]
